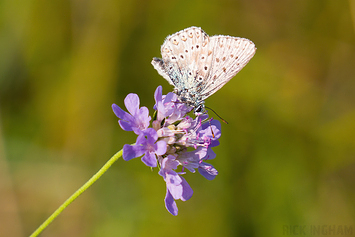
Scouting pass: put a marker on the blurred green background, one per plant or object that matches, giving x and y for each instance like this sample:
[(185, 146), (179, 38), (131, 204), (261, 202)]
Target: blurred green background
[(287, 156)]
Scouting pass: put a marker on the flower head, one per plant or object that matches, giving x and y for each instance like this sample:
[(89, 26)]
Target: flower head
[(175, 139)]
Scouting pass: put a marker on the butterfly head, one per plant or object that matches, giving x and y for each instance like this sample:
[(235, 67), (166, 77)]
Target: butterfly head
[(199, 108)]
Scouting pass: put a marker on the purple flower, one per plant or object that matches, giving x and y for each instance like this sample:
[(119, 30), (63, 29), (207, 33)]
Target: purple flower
[(176, 186), (174, 140), (146, 144), (137, 120), (194, 159)]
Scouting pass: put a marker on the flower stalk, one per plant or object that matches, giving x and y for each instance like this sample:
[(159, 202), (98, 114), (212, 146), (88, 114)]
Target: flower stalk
[(78, 192)]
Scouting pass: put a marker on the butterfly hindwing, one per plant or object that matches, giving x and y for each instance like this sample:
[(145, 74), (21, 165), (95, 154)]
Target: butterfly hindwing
[(186, 59)]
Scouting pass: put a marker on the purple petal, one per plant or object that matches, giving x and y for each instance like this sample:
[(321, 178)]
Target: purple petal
[(161, 111), (187, 190), (210, 154), (160, 148), (158, 94), (190, 160), (216, 127), (216, 132), (169, 104), (151, 134), (125, 125), (169, 163), (162, 173), (121, 113), (207, 171), (201, 152), (173, 183), (143, 118), (136, 130), (130, 152), (214, 143), (149, 159), (173, 179), (141, 139), (169, 97), (203, 117), (206, 153), (132, 103), (170, 204)]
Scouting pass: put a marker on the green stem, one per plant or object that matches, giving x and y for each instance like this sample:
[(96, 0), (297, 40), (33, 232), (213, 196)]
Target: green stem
[(77, 193)]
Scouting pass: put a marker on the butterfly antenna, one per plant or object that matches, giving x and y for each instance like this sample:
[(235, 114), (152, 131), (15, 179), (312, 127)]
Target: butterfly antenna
[(217, 115)]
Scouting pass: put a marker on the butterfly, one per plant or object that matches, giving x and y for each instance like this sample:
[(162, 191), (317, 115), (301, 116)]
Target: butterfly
[(198, 65)]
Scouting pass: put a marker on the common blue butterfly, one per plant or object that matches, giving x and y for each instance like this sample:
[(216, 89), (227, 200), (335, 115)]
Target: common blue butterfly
[(198, 65)]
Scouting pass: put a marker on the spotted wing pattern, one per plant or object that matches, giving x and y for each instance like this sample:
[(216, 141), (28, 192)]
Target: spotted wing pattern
[(198, 65)]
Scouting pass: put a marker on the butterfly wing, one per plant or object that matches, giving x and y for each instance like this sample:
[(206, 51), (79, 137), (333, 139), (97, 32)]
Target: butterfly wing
[(230, 55), (198, 65), (159, 65), (186, 59)]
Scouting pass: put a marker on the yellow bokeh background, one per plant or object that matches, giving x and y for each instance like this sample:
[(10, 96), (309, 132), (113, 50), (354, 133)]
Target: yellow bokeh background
[(286, 158)]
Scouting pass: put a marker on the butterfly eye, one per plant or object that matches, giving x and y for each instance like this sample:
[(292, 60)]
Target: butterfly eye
[(199, 109)]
